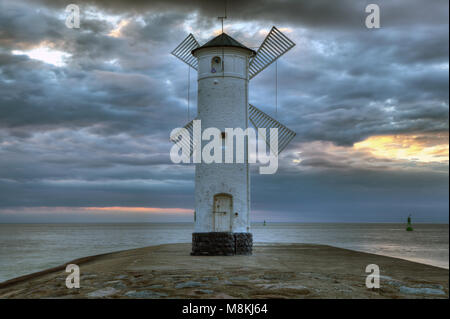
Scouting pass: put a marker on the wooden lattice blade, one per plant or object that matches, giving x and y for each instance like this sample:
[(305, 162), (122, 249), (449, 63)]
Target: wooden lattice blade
[(259, 119), (184, 49), (274, 45)]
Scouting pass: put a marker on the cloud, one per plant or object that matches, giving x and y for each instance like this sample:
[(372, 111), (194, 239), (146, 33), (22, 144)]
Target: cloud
[(93, 131), (420, 153), (318, 13)]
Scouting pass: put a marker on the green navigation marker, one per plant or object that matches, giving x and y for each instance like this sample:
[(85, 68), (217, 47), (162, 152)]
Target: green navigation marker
[(409, 226)]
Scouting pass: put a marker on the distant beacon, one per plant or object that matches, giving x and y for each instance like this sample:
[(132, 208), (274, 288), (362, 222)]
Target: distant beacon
[(222, 191)]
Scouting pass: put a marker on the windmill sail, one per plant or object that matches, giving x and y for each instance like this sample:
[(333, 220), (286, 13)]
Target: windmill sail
[(175, 138), (184, 49), (259, 119), (274, 45)]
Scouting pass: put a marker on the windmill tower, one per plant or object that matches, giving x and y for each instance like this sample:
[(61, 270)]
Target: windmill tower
[(222, 191)]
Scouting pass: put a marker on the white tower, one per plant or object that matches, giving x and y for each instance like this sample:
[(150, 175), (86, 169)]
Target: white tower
[(222, 191), (222, 194)]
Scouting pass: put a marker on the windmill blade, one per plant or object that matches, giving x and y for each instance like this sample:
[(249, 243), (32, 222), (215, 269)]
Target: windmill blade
[(184, 49), (175, 138), (259, 119), (274, 45)]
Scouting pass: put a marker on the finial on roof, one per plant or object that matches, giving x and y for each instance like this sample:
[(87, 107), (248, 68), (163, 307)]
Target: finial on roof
[(224, 16)]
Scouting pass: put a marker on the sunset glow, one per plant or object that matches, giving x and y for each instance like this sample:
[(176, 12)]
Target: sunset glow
[(419, 148), (144, 210), (117, 32)]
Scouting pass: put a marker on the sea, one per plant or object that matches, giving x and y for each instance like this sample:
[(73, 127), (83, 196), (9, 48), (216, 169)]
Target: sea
[(27, 248)]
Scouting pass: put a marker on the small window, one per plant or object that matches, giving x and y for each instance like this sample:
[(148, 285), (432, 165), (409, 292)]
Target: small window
[(223, 135), (216, 64)]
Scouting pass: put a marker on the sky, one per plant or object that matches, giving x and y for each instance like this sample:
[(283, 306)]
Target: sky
[(85, 114)]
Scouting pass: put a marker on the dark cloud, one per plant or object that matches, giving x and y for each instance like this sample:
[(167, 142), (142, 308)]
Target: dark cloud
[(318, 13), (94, 132)]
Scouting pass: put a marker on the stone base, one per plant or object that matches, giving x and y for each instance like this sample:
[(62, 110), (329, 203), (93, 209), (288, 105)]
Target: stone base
[(221, 244)]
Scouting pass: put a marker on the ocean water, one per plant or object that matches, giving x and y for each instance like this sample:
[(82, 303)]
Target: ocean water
[(27, 248)]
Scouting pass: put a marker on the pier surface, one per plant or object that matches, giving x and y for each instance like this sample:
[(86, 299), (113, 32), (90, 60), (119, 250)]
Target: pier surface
[(273, 271)]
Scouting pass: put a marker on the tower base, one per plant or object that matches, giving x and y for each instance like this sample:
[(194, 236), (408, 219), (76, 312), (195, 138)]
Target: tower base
[(221, 244)]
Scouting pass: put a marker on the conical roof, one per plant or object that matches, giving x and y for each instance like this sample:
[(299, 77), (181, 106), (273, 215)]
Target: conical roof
[(223, 40)]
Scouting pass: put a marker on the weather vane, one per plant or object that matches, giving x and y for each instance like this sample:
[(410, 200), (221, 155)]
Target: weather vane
[(224, 16)]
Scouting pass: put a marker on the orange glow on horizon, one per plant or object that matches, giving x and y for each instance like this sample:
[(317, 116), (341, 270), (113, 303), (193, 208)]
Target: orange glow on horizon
[(140, 210)]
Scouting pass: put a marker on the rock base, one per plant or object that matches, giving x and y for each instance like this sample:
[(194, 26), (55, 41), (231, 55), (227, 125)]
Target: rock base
[(221, 244)]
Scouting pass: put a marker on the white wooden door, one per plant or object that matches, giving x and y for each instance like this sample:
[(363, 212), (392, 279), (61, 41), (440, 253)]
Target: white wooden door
[(223, 205)]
